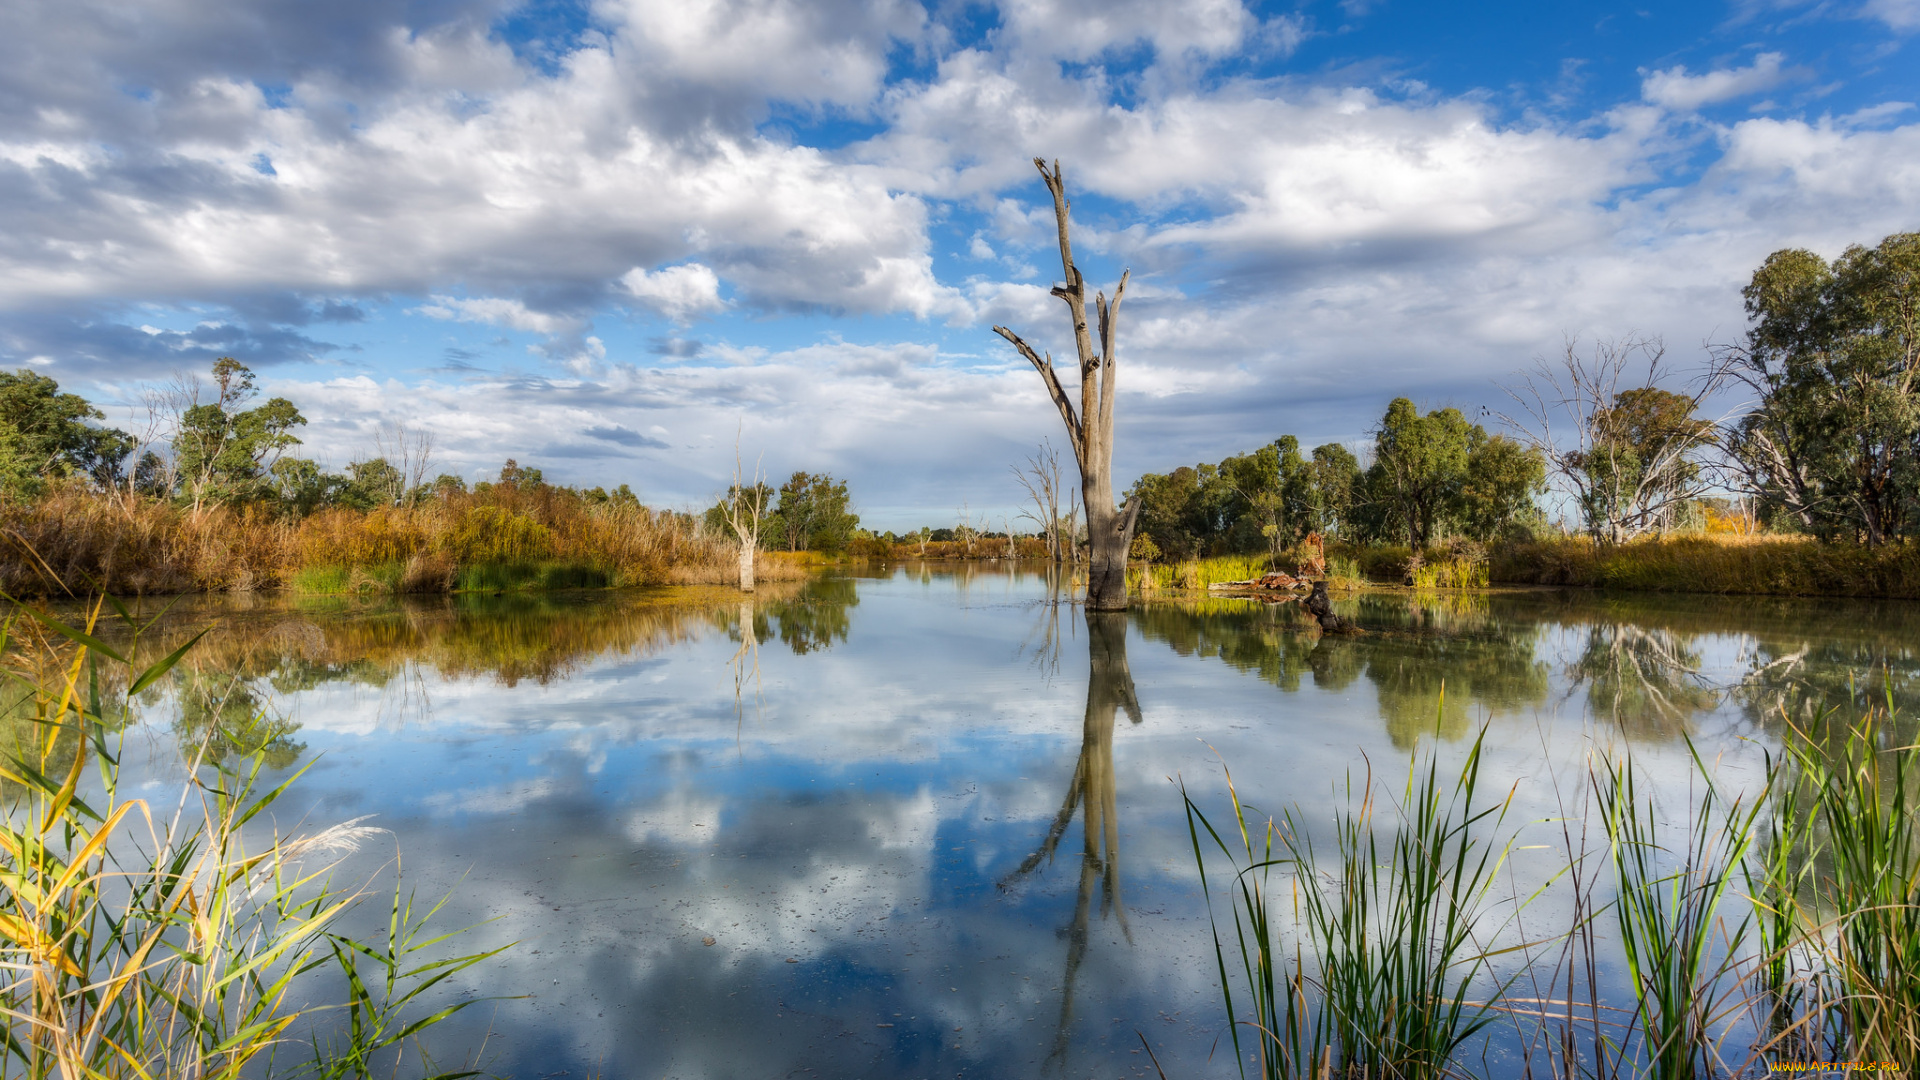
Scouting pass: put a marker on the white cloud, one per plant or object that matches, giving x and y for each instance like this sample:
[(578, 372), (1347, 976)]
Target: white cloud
[(1899, 14), (496, 311), (678, 292), (1677, 90)]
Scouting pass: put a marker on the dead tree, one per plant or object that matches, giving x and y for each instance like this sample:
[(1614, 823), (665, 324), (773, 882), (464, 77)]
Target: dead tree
[(744, 508), (1041, 481), (1090, 428)]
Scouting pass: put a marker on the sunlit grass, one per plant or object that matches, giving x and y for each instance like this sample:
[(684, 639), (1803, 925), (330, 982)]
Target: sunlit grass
[(173, 937)]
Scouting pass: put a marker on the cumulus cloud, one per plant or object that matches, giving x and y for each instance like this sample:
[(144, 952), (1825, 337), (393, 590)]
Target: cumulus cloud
[(1899, 14), (1674, 89), (678, 292), (231, 183)]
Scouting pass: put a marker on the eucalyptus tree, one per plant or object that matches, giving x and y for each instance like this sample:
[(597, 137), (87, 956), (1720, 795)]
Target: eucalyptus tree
[(1833, 361), (224, 452), (1090, 427), (45, 433), (1420, 467)]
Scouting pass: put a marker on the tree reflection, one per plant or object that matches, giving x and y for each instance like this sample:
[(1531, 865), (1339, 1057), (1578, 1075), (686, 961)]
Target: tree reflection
[(1092, 793), (226, 716), (1647, 680)]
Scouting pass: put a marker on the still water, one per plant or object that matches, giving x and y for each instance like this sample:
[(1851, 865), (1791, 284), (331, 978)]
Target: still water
[(926, 823)]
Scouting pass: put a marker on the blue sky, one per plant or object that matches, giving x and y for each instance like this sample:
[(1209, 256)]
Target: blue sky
[(605, 237)]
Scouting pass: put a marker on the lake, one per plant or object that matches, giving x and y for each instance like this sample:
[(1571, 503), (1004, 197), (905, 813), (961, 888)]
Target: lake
[(926, 822)]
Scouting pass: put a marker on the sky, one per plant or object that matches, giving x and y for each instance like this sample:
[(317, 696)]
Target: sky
[(616, 239)]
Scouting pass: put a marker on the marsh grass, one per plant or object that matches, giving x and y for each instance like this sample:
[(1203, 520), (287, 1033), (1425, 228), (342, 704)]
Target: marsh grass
[(1838, 886), (149, 940), (75, 542), (1681, 953), (1397, 927), (1770, 927), (1194, 575), (1761, 565)]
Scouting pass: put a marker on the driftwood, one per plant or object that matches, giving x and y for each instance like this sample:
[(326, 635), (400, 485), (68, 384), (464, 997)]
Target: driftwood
[(1264, 583)]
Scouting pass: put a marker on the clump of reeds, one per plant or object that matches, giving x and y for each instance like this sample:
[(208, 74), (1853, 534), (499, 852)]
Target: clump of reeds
[(1682, 956), (143, 940), (1821, 956), (1397, 928), (1838, 889)]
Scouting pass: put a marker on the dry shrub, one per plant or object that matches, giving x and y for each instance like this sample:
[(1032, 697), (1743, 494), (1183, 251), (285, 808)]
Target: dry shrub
[(74, 541)]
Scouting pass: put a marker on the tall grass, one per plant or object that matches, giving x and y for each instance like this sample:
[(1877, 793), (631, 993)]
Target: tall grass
[(1840, 888), (1194, 575), (1397, 928), (1763, 565), (142, 940), (73, 541), (1680, 954), (1374, 973)]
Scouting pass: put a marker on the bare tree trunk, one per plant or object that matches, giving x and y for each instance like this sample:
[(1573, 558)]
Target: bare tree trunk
[(744, 508), (1090, 428)]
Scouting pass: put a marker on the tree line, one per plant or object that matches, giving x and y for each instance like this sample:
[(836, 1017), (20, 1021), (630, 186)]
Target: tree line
[(1826, 442)]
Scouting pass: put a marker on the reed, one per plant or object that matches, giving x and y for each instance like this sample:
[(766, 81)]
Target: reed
[(143, 940), (1397, 928), (1681, 955), (1840, 888), (1195, 575)]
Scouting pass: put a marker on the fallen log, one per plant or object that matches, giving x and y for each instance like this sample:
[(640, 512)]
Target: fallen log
[(1264, 583)]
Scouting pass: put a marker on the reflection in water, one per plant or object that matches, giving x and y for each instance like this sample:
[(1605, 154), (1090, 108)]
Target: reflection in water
[(1647, 680), (1093, 792), (579, 781)]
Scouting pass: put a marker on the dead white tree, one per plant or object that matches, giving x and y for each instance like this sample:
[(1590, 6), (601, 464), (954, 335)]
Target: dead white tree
[(1627, 453), (1090, 427), (1040, 479), (745, 506), (410, 452)]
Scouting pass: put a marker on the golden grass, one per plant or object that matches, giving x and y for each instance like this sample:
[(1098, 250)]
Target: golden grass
[(74, 541), (1727, 564)]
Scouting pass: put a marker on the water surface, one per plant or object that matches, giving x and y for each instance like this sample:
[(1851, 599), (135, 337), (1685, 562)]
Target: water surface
[(929, 818)]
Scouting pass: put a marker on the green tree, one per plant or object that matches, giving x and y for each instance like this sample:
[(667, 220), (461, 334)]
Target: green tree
[(1641, 464), (812, 513), (302, 486), (45, 433), (224, 452), (1332, 477), (1503, 479), (1833, 356), (1420, 467)]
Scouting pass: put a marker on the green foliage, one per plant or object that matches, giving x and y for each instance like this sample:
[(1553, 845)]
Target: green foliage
[(225, 453), (45, 433), (1266, 500), (1642, 464), (812, 514), (1834, 357)]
